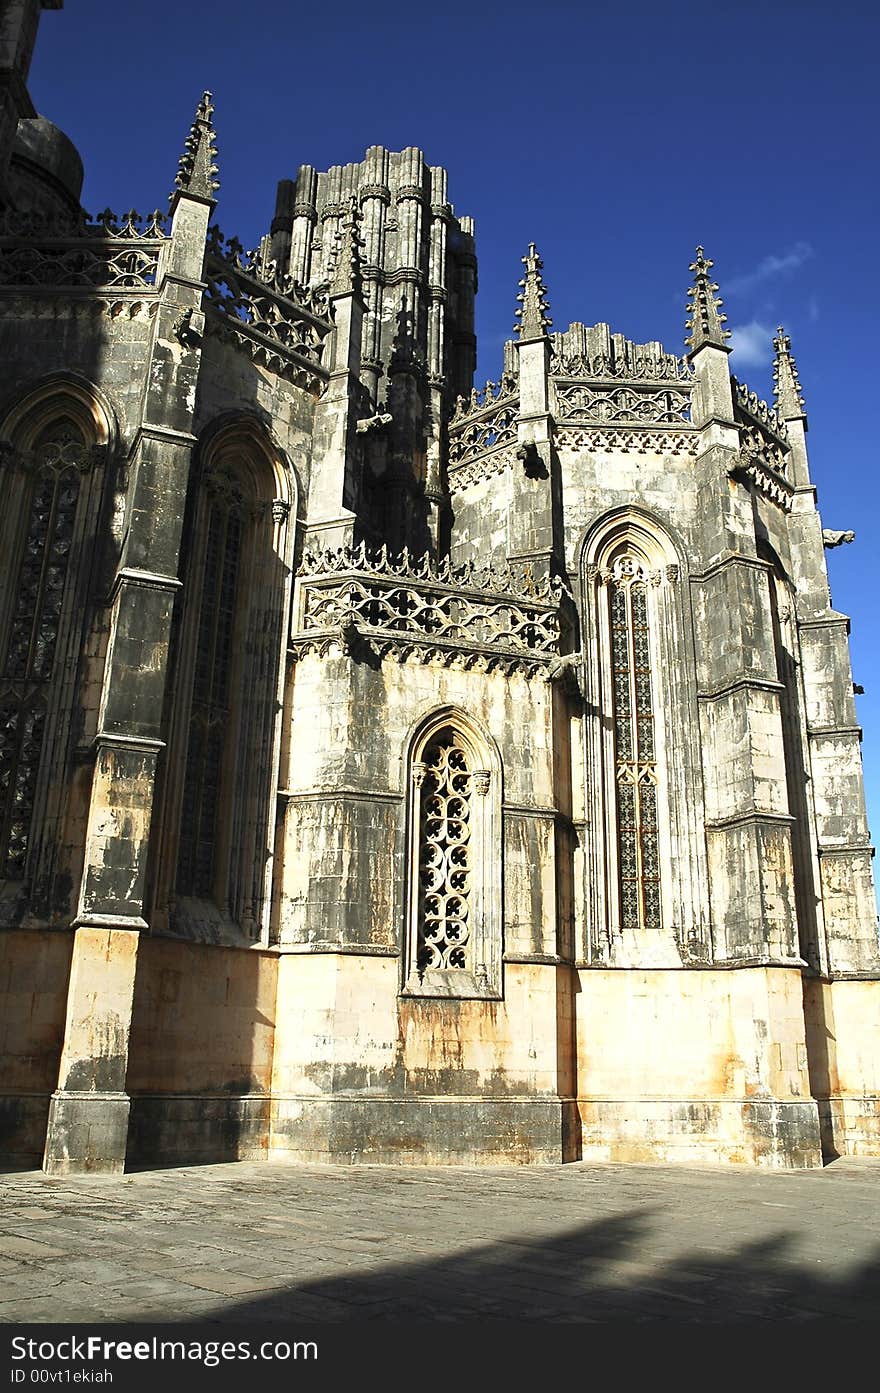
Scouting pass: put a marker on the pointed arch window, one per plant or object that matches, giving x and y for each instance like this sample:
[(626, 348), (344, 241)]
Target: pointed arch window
[(635, 755), (216, 820), (210, 721), (453, 941), (646, 881), (54, 467)]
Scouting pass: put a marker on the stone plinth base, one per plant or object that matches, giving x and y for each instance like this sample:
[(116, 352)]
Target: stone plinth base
[(23, 1128), (850, 1126), (424, 1131), (843, 1036), (757, 1132), (197, 1129), (87, 1132)]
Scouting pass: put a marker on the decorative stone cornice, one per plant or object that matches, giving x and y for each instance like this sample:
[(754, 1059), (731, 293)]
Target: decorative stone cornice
[(609, 440)]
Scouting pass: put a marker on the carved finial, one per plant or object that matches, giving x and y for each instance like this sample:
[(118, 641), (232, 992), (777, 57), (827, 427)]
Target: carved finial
[(786, 383), (705, 322), (197, 165), (345, 275), (534, 320)]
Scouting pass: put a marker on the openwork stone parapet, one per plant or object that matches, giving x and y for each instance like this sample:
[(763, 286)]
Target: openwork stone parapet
[(485, 617), (280, 326), (486, 423), (612, 405), (106, 252), (483, 399)]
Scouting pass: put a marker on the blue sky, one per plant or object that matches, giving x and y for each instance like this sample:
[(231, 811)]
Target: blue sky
[(617, 136)]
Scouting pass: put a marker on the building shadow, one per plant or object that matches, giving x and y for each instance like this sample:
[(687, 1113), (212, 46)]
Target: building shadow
[(599, 1272)]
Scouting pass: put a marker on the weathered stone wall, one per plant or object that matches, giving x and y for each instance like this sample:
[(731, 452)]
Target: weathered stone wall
[(362, 1074), (445, 1079), (843, 1038), (230, 384), (698, 1066), (200, 1053), (34, 970)]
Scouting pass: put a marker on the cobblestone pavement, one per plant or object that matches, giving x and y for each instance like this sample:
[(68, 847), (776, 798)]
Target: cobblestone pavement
[(275, 1242)]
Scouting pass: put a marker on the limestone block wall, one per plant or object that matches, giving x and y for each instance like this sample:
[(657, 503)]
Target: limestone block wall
[(34, 972), (361, 1070), (231, 384), (843, 1032), (200, 1051), (697, 1066), (364, 1075)]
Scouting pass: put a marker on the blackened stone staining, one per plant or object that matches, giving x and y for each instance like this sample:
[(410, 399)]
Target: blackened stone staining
[(395, 769)]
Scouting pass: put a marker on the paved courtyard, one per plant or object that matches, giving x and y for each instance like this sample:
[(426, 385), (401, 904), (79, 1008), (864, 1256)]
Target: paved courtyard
[(274, 1243)]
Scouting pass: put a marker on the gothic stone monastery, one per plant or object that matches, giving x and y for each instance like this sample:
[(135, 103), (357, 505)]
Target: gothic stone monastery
[(392, 771)]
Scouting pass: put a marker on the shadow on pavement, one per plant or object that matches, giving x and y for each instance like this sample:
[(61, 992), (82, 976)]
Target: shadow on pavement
[(595, 1272)]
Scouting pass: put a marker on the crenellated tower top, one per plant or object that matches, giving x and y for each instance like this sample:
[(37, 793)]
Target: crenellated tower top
[(197, 165), (705, 322), (786, 383), (533, 316)]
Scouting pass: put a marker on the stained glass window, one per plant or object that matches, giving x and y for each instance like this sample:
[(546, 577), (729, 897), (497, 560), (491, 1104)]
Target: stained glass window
[(635, 759)]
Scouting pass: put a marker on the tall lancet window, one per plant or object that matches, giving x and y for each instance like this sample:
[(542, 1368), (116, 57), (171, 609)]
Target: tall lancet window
[(215, 835), (35, 620), (634, 747), (445, 938), (210, 721), (645, 877), (453, 942)]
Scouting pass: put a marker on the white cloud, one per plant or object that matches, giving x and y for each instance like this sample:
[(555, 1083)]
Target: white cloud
[(751, 345), (771, 267)]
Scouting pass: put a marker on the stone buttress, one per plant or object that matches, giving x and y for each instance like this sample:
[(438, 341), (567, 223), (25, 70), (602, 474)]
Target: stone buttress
[(393, 770)]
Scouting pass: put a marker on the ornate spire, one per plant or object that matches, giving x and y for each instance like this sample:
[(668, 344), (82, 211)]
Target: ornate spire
[(345, 273), (786, 383), (534, 320), (196, 167), (705, 322)]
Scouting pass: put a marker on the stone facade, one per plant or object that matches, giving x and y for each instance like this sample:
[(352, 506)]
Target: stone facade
[(391, 770)]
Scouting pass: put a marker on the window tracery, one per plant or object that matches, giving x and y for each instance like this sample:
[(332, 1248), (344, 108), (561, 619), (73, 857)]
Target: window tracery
[(635, 755), (215, 822), (454, 922), (444, 931), (54, 464), (645, 884)]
